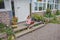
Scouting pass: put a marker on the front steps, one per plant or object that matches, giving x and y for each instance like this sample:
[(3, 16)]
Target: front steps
[(21, 30)]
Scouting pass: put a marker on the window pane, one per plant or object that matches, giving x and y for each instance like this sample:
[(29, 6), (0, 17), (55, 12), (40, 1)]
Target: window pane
[(48, 5), (51, 1), (44, 6), (56, 1), (51, 6), (56, 6), (2, 4), (36, 6), (40, 6)]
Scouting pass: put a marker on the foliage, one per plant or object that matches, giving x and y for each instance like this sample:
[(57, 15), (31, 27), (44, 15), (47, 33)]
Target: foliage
[(48, 13), (57, 12), (0, 38), (9, 31), (37, 17), (2, 27), (1, 0), (6, 29), (11, 37)]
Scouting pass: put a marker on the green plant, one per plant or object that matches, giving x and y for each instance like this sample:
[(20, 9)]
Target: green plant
[(48, 13), (2, 27), (57, 12), (37, 17), (10, 33), (8, 30), (0, 38)]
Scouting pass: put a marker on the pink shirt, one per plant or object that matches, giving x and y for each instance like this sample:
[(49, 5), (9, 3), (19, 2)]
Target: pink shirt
[(28, 21)]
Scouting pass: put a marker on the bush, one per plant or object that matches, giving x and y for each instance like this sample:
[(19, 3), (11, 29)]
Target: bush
[(37, 17), (48, 13), (6, 29), (57, 12), (2, 27)]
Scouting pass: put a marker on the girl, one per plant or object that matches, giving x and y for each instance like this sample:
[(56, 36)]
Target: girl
[(29, 21)]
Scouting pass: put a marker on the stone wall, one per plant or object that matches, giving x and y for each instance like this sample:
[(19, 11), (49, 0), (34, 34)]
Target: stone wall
[(42, 13), (5, 17)]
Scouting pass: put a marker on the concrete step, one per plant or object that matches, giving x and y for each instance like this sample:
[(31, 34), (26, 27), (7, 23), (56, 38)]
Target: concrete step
[(20, 27), (28, 30), (3, 35)]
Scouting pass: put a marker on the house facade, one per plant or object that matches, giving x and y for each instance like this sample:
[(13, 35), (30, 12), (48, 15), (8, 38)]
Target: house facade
[(21, 8)]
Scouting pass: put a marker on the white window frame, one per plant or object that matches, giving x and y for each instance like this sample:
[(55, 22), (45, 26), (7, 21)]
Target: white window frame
[(6, 9)]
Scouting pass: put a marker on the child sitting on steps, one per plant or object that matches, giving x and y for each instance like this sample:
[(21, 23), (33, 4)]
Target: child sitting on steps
[(29, 21)]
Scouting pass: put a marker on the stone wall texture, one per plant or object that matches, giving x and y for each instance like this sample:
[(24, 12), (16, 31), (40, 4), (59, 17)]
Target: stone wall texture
[(43, 12), (5, 17)]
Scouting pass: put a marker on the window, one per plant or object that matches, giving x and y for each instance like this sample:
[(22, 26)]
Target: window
[(36, 6), (50, 4), (44, 6), (2, 4), (56, 1), (50, 1), (40, 6), (56, 6)]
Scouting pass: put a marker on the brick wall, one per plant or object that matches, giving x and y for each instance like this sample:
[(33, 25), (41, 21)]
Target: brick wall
[(5, 17)]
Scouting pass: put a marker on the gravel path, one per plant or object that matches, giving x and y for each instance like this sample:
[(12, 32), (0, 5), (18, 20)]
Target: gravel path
[(49, 32)]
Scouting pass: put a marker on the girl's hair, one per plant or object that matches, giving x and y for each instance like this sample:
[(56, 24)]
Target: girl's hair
[(28, 17)]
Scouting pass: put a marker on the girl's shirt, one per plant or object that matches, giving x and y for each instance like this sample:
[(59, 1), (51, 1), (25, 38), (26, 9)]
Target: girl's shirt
[(28, 21)]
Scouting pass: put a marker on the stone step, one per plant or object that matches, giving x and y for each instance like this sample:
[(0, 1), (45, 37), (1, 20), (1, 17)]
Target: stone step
[(19, 28), (3, 35), (28, 30)]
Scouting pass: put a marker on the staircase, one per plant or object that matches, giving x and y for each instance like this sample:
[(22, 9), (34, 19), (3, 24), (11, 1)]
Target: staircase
[(22, 29)]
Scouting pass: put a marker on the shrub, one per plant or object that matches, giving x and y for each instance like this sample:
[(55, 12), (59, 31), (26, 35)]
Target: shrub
[(48, 13), (2, 27), (10, 33), (37, 17), (57, 12), (6, 29)]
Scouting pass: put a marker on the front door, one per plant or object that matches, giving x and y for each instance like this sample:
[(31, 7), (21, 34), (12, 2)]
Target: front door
[(21, 9)]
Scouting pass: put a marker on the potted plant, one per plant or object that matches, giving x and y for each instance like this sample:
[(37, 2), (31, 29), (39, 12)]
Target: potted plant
[(14, 22), (10, 34)]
